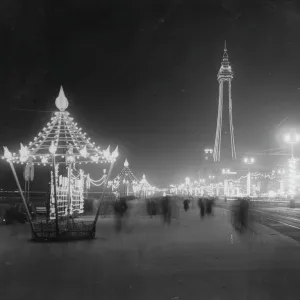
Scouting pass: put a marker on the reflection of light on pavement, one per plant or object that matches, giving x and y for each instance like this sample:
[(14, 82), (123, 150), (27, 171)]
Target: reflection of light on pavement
[(231, 238)]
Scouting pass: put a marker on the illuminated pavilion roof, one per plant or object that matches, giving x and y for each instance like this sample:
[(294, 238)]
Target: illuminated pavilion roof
[(64, 136), (126, 174)]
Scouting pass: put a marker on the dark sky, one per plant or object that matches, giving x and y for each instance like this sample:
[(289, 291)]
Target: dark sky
[(142, 74)]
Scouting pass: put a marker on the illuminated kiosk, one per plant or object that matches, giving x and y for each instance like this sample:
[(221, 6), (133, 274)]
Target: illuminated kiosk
[(144, 188), (61, 145), (131, 185), (125, 182)]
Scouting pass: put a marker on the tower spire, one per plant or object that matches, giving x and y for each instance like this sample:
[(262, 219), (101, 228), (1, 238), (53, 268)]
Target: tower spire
[(225, 55)]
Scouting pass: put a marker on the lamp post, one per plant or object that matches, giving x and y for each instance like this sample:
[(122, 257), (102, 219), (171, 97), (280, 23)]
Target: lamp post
[(52, 150), (208, 152), (226, 172), (249, 161), (187, 183), (292, 138), (281, 172)]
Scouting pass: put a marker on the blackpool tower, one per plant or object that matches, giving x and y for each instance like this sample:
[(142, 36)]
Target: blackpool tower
[(225, 76)]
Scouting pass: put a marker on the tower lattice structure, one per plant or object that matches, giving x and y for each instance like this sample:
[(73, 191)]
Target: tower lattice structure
[(225, 75)]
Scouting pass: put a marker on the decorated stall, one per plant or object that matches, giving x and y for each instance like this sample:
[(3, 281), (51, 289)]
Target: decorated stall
[(63, 147)]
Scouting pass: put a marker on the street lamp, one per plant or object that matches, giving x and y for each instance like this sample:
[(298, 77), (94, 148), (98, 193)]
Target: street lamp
[(225, 171), (208, 152), (281, 173), (292, 138), (187, 183), (249, 161)]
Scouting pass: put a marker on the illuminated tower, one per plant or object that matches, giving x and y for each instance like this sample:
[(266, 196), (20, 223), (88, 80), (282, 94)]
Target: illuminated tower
[(225, 76)]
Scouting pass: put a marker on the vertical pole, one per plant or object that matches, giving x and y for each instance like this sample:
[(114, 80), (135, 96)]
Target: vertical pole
[(22, 195), (69, 190), (55, 195), (249, 183), (233, 153), (102, 196)]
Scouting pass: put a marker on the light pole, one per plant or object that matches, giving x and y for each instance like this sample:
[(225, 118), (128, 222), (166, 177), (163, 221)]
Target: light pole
[(225, 172), (249, 161), (208, 152), (52, 150), (281, 172), (292, 138), (187, 183)]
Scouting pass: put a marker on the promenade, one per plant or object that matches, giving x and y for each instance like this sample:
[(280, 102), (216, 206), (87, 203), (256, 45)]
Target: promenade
[(190, 259)]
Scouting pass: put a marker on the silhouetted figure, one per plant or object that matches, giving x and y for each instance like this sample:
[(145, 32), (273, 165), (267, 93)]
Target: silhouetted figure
[(240, 209), (209, 205), (186, 204), (201, 205), (120, 208), (153, 208), (166, 209)]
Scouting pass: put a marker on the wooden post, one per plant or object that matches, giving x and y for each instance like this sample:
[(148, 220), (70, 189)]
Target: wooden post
[(22, 196)]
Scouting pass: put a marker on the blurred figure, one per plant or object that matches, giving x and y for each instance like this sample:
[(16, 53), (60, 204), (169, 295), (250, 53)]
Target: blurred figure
[(186, 204), (151, 207), (166, 209), (239, 214), (209, 203), (120, 208), (201, 205)]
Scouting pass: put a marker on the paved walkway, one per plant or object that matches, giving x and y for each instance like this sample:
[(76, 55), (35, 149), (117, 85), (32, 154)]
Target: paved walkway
[(191, 259)]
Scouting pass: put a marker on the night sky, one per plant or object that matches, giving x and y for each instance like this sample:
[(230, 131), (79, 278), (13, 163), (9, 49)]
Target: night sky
[(141, 74)]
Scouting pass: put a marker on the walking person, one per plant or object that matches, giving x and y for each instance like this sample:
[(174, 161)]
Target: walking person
[(120, 208), (201, 207), (186, 204)]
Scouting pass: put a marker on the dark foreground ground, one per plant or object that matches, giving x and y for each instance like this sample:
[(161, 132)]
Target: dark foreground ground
[(191, 259)]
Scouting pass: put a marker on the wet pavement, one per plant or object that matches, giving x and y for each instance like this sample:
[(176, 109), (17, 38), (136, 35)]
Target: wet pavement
[(191, 259)]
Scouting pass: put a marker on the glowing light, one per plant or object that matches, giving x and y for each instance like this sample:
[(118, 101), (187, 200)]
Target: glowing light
[(187, 180), (52, 148), (115, 153), (226, 171), (84, 152), (208, 151), (24, 153), (44, 160), (292, 176), (61, 101), (126, 164), (7, 154), (95, 158), (249, 160)]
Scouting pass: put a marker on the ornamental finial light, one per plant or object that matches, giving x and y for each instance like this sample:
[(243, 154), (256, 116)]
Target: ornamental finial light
[(61, 101), (7, 154), (126, 164)]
